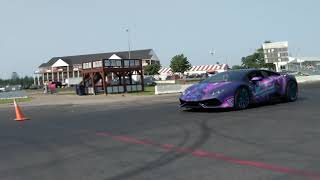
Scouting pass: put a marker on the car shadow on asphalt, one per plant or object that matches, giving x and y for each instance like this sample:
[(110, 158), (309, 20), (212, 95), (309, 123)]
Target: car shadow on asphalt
[(252, 106), (201, 110)]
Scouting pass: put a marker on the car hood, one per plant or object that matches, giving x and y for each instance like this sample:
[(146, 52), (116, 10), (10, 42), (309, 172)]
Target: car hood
[(203, 91)]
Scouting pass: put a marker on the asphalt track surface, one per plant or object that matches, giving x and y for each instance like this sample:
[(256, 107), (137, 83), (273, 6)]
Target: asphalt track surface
[(156, 140)]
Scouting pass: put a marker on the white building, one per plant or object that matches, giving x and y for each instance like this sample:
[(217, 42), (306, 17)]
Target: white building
[(68, 69), (276, 53)]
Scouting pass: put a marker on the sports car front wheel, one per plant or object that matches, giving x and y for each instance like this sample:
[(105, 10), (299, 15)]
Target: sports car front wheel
[(242, 98)]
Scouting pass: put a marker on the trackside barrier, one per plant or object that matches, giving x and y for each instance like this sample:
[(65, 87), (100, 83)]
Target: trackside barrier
[(306, 79), (172, 88), (178, 88), (166, 82)]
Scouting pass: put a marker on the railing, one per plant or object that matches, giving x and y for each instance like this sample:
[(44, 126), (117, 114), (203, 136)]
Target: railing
[(57, 69), (113, 63), (303, 69), (120, 88), (123, 63)]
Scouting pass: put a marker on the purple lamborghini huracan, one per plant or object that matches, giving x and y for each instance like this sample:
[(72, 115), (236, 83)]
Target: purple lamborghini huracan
[(239, 88)]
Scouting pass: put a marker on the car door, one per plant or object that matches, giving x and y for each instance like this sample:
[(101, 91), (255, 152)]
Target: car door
[(261, 84), (272, 82), (268, 83)]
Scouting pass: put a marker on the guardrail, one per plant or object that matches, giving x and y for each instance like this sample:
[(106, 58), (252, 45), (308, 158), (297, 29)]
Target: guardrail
[(166, 82), (171, 88), (306, 79)]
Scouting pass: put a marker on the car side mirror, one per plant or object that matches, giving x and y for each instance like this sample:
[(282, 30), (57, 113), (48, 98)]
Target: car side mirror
[(256, 79)]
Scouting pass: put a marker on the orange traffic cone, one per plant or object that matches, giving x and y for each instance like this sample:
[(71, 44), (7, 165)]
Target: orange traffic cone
[(19, 115)]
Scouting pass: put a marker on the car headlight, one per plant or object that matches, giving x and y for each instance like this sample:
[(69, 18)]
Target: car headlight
[(217, 92)]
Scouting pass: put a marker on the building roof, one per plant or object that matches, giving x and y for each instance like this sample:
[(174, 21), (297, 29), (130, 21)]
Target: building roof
[(201, 68), (79, 59), (309, 58), (303, 59), (43, 65), (272, 45)]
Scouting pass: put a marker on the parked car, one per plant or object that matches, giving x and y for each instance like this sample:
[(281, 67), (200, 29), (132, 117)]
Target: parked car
[(33, 86), (149, 81)]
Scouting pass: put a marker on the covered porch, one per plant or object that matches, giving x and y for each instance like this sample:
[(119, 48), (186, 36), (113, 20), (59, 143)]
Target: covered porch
[(112, 76)]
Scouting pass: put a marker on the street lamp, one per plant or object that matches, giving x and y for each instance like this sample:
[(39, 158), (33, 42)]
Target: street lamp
[(129, 46)]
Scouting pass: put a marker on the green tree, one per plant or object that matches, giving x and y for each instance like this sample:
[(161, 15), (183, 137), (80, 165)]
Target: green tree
[(256, 60), (237, 67), (25, 82), (152, 69), (180, 64)]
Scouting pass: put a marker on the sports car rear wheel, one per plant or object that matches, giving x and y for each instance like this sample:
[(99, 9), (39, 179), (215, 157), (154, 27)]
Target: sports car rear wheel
[(291, 91), (242, 98)]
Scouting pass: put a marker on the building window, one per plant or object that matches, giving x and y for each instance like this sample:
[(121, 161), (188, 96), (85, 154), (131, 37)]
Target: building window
[(112, 63), (97, 64), (132, 63), (87, 65), (137, 62), (126, 63)]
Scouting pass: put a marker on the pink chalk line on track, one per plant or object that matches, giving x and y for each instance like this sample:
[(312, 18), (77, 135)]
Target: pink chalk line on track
[(213, 155)]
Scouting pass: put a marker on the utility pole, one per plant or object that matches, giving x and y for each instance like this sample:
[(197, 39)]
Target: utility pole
[(129, 44)]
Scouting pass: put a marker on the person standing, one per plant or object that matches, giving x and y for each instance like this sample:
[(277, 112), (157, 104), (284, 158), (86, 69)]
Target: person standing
[(45, 88), (52, 87)]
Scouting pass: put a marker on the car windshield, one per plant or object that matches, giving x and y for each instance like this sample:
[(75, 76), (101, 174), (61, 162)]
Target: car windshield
[(225, 76)]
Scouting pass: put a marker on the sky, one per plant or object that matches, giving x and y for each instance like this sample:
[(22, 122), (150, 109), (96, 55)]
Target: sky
[(34, 31)]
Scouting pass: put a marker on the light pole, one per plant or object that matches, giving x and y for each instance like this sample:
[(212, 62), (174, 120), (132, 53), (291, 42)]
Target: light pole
[(129, 46)]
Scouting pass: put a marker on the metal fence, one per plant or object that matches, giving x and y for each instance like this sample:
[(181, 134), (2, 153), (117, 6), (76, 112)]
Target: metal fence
[(303, 68)]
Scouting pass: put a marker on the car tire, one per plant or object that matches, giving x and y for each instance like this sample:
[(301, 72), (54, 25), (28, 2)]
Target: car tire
[(241, 98), (291, 91)]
